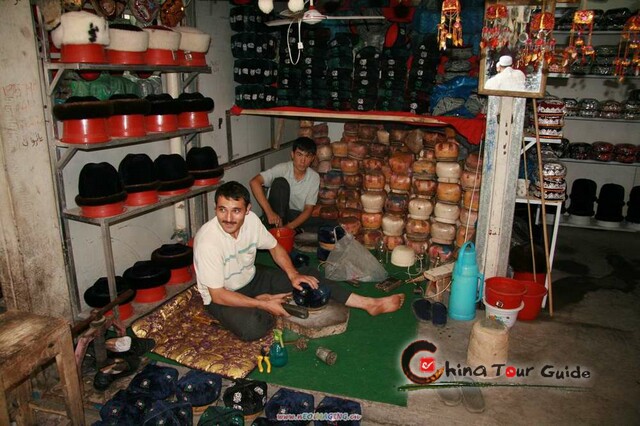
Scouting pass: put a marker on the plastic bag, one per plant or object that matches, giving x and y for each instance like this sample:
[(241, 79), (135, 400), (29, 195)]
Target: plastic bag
[(350, 260)]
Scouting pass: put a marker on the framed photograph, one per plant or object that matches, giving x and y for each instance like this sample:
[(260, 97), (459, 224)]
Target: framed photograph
[(517, 44)]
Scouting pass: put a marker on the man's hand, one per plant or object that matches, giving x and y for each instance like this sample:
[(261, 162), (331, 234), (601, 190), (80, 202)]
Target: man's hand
[(298, 279), (273, 218), (281, 297), (274, 307)]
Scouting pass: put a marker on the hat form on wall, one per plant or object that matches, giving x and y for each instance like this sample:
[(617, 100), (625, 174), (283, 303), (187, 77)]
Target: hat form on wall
[(202, 163), (100, 191), (84, 119), (127, 44), (148, 278), (139, 178), (178, 258), (195, 110), (174, 177), (127, 119)]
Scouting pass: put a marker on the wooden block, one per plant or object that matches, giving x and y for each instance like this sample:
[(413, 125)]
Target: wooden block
[(331, 320), (440, 272)]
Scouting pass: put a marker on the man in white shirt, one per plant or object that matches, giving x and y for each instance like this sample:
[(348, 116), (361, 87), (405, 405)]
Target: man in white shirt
[(245, 299), (507, 78), (293, 188)]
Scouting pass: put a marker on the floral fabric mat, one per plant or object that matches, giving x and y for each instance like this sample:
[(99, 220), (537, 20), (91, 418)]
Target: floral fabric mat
[(186, 334)]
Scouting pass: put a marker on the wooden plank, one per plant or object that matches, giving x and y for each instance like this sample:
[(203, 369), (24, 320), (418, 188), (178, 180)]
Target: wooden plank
[(411, 119), (331, 320)]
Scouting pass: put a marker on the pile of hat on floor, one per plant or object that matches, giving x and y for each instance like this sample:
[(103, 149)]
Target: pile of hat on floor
[(85, 119), (157, 396), (610, 204), (104, 191), (85, 37), (254, 50)]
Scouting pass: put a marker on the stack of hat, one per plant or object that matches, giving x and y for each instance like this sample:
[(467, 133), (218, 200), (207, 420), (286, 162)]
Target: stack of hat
[(254, 51), (610, 204), (366, 74), (422, 74), (248, 396), (551, 118), (194, 45), (82, 37), (588, 108), (313, 63), (97, 296), (176, 257), (195, 109), (340, 70), (148, 278), (127, 44), (163, 45), (163, 113), (173, 174), (552, 185), (199, 388), (633, 208), (139, 178), (127, 118), (393, 67), (583, 196), (289, 75), (100, 191), (202, 164), (84, 119), (604, 59)]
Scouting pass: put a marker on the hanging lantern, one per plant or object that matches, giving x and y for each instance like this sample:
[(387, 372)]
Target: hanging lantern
[(539, 46), (496, 31), (450, 27), (579, 46), (628, 58)]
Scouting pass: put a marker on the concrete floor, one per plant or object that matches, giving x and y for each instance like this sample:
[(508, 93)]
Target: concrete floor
[(595, 323)]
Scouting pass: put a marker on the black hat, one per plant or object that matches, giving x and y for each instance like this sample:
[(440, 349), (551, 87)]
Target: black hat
[(332, 404), (82, 107), (215, 416), (99, 184), (199, 388), (610, 203), (195, 102), (169, 413), (202, 163), (163, 104), (128, 104), (288, 401), (125, 408), (583, 196), (97, 296), (250, 396), (633, 206), (173, 256), (146, 274), (155, 382), (137, 173), (172, 172)]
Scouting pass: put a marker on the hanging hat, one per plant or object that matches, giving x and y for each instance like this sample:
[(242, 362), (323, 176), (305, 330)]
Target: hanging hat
[(287, 401), (178, 258), (193, 46), (125, 408), (127, 44), (163, 113), (100, 191), (505, 61), (249, 396), (332, 404), (172, 171), (81, 36), (97, 296), (127, 119), (155, 382), (169, 413), (199, 388), (195, 110), (139, 179), (163, 45), (202, 163), (84, 119), (148, 278)]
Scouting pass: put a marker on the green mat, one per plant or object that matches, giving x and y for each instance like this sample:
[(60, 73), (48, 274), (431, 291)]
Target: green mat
[(368, 362)]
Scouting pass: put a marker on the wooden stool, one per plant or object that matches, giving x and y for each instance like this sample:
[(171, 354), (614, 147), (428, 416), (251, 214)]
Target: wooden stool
[(26, 342)]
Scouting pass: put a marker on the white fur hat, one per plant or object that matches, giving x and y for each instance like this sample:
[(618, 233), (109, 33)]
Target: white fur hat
[(80, 28), (163, 38), (125, 39), (505, 61), (193, 40)]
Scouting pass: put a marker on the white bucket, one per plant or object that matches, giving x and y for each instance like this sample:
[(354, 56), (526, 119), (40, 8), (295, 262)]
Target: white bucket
[(506, 316)]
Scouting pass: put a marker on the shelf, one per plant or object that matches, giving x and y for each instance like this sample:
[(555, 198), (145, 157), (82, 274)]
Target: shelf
[(602, 32), (542, 140), (600, 77), (607, 120), (151, 137), (538, 201), (593, 224), (121, 67), (75, 213), (601, 163)]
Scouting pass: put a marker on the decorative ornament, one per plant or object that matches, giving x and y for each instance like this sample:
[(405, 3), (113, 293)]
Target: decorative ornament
[(496, 31), (450, 26), (578, 45), (539, 46), (628, 59)]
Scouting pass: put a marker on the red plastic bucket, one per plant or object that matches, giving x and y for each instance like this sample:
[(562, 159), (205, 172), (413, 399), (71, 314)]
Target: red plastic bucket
[(528, 276), (180, 275), (504, 293), (532, 300), (125, 310), (284, 236)]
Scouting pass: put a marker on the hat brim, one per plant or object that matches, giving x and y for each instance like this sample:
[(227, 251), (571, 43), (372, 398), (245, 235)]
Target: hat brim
[(208, 173), (142, 187), (172, 185), (99, 201)]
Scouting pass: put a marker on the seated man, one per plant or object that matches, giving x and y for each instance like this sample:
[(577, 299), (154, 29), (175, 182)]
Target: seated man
[(293, 188), (245, 299)]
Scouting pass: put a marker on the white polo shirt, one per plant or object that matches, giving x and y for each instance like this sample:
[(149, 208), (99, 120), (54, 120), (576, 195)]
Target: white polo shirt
[(304, 192), (223, 261)]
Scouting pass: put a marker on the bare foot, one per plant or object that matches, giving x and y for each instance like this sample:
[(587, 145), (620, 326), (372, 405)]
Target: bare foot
[(385, 305)]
